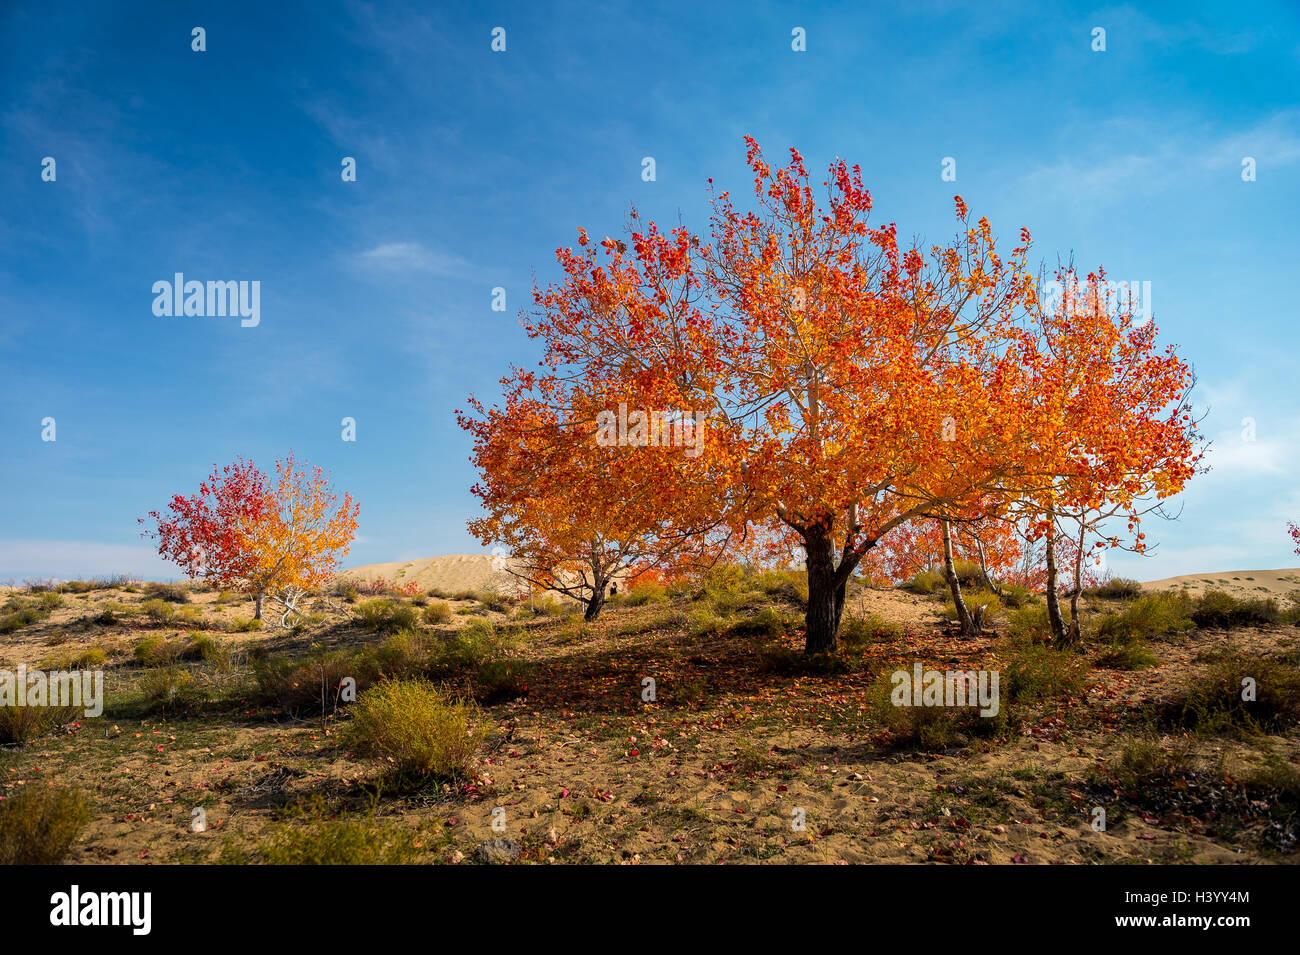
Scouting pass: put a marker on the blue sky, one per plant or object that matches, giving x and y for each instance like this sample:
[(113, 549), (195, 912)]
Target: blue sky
[(473, 166)]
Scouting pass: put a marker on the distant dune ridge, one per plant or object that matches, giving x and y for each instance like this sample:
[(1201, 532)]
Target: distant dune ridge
[(455, 572), (450, 573), (1239, 583)]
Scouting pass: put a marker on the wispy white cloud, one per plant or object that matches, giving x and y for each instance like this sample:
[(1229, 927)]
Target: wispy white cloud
[(1155, 158), (1232, 455), (413, 257), (64, 560)]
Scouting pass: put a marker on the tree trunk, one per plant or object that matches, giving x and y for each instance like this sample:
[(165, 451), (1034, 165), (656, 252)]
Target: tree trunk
[(1074, 636), (954, 584), (595, 604), (257, 613), (825, 597), (841, 593), (1053, 602)]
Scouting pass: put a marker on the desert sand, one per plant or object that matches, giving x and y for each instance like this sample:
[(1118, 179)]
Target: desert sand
[(450, 573), (1239, 583), (453, 573)]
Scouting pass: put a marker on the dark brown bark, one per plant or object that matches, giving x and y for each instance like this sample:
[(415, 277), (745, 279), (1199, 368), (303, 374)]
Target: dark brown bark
[(257, 613), (595, 604), (968, 628), (825, 596)]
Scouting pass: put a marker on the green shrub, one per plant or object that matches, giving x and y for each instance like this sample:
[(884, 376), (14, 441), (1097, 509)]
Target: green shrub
[(1221, 610), (39, 824), (173, 593), (154, 650), (1149, 762), (1277, 774), (1030, 622), (1130, 654), (203, 646), (303, 623), (1146, 617), (189, 614), (929, 581), (468, 649), (313, 683), (401, 654), (728, 589), (329, 842), (438, 611), (784, 585), (78, 658), (1015, 596), (932, 580), (706, 623), (1212, 700), (573, 628), (159, 611), (386, 615), (763, 623), (21, 724), (81, 586), (245, 625), (412, 727), (934, 727), (546, 605), (860, 631), (171, 690), (22, 611), (1035, 672), (640, 593), (492, 600), (107, 617), (979, 602), (1117, 588)]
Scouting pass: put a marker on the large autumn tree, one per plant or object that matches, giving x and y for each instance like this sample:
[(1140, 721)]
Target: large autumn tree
[(852, 385), (278, 537)]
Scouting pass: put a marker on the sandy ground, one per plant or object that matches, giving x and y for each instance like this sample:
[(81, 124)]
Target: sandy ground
[(587, 771)]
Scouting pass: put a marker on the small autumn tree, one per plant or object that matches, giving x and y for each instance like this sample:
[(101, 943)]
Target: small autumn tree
[(576, 499), (276, 538), (1119, 439), (938, 544)]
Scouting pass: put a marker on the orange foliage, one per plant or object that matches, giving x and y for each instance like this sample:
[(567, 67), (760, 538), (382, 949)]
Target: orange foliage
[(850, 388)]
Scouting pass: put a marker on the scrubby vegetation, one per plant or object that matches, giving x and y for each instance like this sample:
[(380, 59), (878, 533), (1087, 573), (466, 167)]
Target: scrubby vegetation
[(1239, 693), (39, 824), (413, 728), (688, 700)]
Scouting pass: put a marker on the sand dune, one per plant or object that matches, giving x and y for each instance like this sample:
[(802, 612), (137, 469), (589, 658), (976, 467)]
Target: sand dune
[(1239, 583), (455, 572), (449, 573)]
